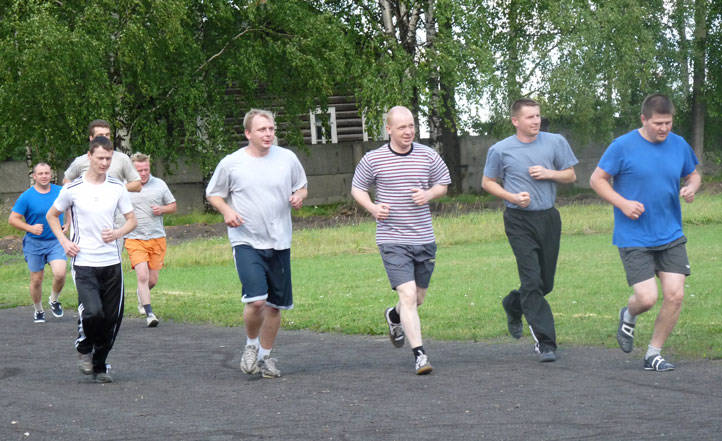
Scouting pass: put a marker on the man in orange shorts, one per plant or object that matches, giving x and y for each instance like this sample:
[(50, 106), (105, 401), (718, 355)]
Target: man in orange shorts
[(146, 244)]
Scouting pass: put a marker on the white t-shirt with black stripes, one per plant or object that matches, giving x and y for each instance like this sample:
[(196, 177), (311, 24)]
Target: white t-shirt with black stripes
[(394, 175), (92, 207)]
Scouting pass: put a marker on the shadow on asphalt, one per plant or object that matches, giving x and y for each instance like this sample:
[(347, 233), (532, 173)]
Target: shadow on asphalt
[(182, 382)]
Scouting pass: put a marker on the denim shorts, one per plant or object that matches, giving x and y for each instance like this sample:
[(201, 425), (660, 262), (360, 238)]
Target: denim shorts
[(265, 275), (39, 252)]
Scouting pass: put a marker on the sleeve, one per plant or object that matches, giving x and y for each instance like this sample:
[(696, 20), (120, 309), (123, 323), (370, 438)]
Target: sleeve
[(64, 200), (167, 197), (439, 171), (73, 170), (690, 160), (611, 160), (219, 185), (363, 176), (130, 174), (493, 168), (124, 204), (564, 157), (298, 175), (21, 205)]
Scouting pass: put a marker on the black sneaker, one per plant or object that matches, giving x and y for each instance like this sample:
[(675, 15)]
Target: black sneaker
[(657, 363), (396, 331), (56, 308), (625, 333), (513, 323), (39, 317)]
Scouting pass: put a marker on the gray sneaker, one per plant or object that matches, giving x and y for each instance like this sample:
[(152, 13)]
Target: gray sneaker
[(102, 377), (625, 333), (268, 368), (249, 359), (423, 366), (547, 357), (396, 331), (85, 363)]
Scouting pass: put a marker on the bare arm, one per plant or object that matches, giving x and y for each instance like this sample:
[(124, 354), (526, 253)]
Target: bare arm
[(692, 182), (160, 210), (297, 197), (492, 187), (131, 222), (230, 216), (566, 176), (600, 183), (378, 211), (422, 197), (17, 220), (134, 186), (53, 217)]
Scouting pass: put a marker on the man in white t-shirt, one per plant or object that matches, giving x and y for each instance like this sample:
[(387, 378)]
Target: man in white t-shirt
[(146, 244), (254, 189), (93, 199)]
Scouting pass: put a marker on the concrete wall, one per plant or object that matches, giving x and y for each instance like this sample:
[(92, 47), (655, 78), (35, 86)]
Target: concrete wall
[(329, 168)]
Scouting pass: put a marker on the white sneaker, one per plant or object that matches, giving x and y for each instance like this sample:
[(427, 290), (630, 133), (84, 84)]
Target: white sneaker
[(249, 360), (152, 321), (268, 368), (423, 366)]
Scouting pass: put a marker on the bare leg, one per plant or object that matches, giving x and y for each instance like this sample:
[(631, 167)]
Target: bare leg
[(59, 268), (143, 275), (644, 296), (36, 287), (673, 293), (409, 300), (271, 325), (253, 318)]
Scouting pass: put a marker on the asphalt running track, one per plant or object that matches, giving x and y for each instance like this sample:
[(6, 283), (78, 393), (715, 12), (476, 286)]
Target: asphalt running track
[(182, 382)]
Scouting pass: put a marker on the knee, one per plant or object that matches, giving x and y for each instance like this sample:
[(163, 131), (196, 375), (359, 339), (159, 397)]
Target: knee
[(59, 278), (646, 300), (674, 297)]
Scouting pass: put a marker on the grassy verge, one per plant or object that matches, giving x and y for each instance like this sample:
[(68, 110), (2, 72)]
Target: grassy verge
[(340, 284)]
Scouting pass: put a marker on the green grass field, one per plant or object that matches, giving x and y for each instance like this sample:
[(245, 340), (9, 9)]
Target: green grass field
[(340, 284)]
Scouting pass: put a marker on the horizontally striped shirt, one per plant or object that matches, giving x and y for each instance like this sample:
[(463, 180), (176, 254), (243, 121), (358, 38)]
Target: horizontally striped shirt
[(394, 175)]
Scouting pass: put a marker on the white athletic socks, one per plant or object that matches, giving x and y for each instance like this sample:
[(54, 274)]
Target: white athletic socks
[(38, 307), (629, 318), (652, 351), (263, 352), (54, 296), (253, 342)]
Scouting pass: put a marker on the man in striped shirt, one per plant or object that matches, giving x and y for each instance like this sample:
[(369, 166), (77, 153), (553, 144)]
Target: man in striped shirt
[(407, 175)]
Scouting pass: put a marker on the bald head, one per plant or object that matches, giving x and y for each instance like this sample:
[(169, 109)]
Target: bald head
[(400, 127)]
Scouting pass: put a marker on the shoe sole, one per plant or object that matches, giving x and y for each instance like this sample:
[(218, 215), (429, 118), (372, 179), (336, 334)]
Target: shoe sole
[(265, 375), (103, 379), (38, 321), (622, 340), (547, 359), (424, 370)]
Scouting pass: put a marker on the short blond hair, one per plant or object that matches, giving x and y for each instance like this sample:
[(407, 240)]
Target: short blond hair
[(248, 119), (140, 157)]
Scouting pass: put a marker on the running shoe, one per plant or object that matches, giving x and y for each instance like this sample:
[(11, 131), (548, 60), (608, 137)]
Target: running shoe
[(85, 363), (423, 366), (657, 363), (39, 317), (625, 333), (102, 377), (547, 356), (152, 321), (268, 368), (249, 359), (56, 308), (396, 331)]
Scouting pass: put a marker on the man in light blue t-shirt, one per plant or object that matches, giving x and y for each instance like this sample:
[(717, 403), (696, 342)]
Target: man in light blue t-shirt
[(254, 188), (646, 165), (529, 165), (39, 244)]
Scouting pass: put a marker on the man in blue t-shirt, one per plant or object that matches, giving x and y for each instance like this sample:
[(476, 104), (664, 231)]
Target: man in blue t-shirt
[(39, 244), (529, 165), (647, 165)]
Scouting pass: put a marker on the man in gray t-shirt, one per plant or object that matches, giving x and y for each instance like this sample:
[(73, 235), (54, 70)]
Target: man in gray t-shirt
[(254, 189), (146, 244), (530, 164)]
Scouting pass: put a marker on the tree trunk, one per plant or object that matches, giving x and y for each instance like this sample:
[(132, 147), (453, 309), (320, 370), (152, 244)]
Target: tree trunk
[(698, 92)]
